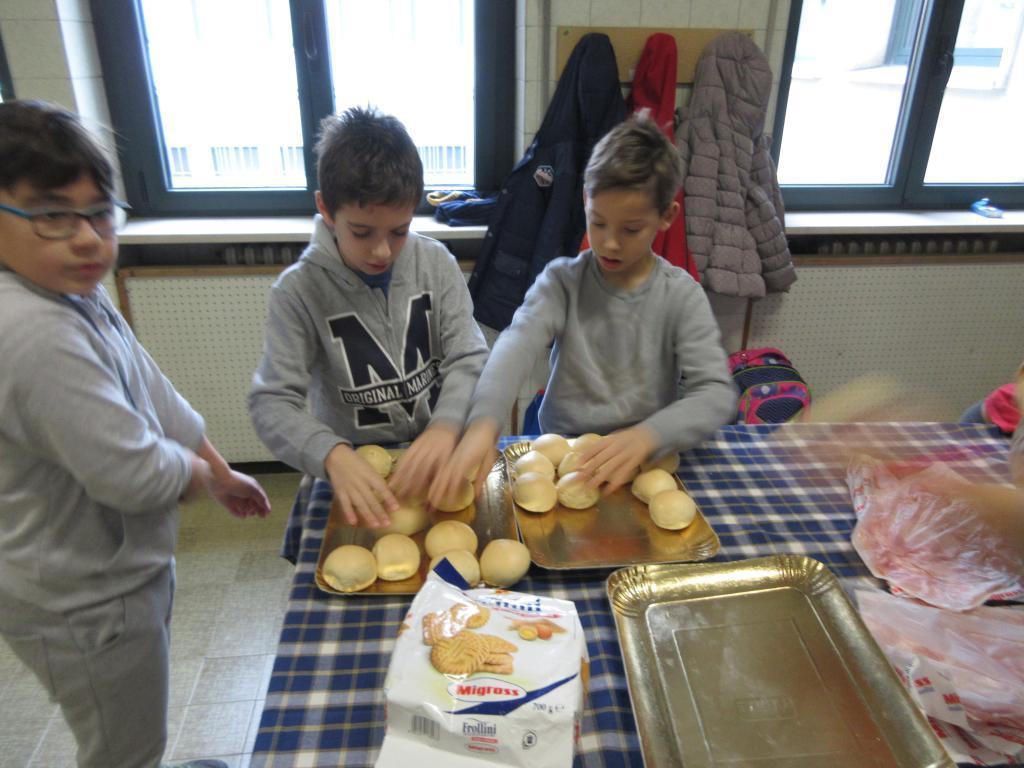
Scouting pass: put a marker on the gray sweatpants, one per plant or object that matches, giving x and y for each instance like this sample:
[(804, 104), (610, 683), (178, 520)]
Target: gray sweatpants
[(107, 667)]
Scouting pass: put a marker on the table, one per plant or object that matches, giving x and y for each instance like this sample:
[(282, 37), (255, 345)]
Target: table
[(766, 490)]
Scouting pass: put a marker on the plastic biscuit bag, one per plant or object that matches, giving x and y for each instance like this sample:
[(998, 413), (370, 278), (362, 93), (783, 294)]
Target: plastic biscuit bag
[(484, 677)]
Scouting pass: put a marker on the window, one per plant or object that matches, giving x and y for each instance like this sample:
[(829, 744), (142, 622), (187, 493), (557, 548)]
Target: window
[(218, 102), (901, 104), (6, 86)]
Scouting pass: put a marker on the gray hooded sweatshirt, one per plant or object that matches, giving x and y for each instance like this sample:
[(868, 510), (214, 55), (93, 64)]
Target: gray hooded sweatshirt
[(345, 363), (618, 356), (91, 457)]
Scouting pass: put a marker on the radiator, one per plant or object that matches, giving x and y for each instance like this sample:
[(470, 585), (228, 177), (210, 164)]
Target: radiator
[(952, 333)]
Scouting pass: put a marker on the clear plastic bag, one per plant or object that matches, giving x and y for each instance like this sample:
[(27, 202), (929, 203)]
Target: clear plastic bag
[(914, 536), (965, 670)]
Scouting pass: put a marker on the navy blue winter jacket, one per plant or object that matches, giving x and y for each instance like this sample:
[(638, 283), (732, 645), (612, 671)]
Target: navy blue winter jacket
[(539, 213)]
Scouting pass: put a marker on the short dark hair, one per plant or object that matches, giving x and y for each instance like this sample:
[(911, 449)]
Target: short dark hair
[(636, 154), (48, 147), (367, 158)]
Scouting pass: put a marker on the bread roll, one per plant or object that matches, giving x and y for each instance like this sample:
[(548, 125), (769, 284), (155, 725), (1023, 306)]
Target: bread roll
[(581, 443), (349, 568), (397, 556), (377, 458), (648, 484), (448, 535), (461, 499), (535, 461), (409, 518), (669, 462), (534, 492), (462, 561), (574, 493), (570, 463), (553, 446), (673, 510), (504, 562)]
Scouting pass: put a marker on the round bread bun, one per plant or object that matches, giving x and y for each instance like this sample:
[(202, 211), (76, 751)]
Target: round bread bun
[(398, 557), (673, 510), (650, 483), (570, 463), (350, 568), (574, 493), (553, 446), (448, 535), (535, 461), (377, 458), (409, 518), (461, 499), (669, 462), (462, 561), (581, 443), (504, 562), (535, 492)]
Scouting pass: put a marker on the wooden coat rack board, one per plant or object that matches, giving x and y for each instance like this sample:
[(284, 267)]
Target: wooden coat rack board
[(629, 42)]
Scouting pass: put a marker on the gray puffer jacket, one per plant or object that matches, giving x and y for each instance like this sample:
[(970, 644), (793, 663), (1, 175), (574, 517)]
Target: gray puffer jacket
[(734, 214)]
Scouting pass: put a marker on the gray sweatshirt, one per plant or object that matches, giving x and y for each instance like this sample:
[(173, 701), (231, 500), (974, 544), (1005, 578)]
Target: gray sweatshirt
[(91, 456), (373, 368), (618, 356)]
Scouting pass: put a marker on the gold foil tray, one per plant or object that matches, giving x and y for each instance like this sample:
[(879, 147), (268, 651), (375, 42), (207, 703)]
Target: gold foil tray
[(617, 531), (489, 516), (760, 663)]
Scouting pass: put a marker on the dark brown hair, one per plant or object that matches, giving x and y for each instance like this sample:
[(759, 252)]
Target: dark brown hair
[(367, 158), (48, 147), (636, 154)]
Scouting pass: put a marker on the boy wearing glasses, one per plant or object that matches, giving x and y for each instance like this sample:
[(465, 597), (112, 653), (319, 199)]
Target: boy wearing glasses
[(96, 450)]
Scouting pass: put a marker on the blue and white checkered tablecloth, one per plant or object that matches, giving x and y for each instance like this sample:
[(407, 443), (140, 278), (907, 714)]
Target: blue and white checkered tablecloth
[(764, 490)]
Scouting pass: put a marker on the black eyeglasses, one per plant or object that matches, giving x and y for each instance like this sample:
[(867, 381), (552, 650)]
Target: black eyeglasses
[(62, 223)]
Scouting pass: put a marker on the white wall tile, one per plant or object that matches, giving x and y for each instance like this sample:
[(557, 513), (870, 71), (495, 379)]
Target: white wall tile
[(533, 54), (35, 49), (614, 13), (91, 102), (570, 13), (533, 106), (80, 48), (55, 89), (715, 14), (759, 38), (754, 14), (520, 53), (533, 12), (782, 14), (775, 51), (74, 10), (665, 13), (27, 9)]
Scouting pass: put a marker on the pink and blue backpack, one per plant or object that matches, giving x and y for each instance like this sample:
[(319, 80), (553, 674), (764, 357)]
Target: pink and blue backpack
[(771, 390)]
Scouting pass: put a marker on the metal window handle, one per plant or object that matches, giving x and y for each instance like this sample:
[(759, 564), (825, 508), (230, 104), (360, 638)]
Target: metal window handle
[(309, 39)]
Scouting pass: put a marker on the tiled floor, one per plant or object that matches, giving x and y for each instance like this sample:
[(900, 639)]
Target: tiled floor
[(228, 608)]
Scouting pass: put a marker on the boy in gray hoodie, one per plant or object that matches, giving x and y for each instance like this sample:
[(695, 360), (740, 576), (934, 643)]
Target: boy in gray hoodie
[(626, 325), (370, 337), (96, 449)]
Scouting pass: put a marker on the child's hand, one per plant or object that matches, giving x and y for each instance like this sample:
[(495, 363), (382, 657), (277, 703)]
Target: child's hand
[(426, 456), (239, 494), (476, 449), (611, 461), (361, 492)]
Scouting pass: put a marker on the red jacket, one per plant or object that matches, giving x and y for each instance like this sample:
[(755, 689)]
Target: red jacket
[(654, 89)]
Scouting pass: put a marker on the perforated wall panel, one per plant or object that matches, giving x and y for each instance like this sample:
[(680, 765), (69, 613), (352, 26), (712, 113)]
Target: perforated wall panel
[(206, 334), (950, 334)]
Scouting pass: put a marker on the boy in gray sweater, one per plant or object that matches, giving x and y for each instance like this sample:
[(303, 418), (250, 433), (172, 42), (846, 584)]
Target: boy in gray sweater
[(96, 449), (626, 325), (370, 337)]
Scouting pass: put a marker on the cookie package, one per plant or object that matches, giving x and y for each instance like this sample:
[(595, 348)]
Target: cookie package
[(484, 677)]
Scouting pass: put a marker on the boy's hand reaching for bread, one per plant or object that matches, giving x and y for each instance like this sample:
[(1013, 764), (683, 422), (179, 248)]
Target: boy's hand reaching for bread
[(361, 492), (427, 455), (612, 461), (475, 452)]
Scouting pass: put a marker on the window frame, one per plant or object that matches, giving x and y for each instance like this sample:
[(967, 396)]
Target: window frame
[(6, 82), (146, 176), (927, 77)]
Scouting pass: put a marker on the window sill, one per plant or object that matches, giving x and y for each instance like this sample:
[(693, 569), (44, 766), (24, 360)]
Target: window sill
[(294, 229), (806, 223)]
